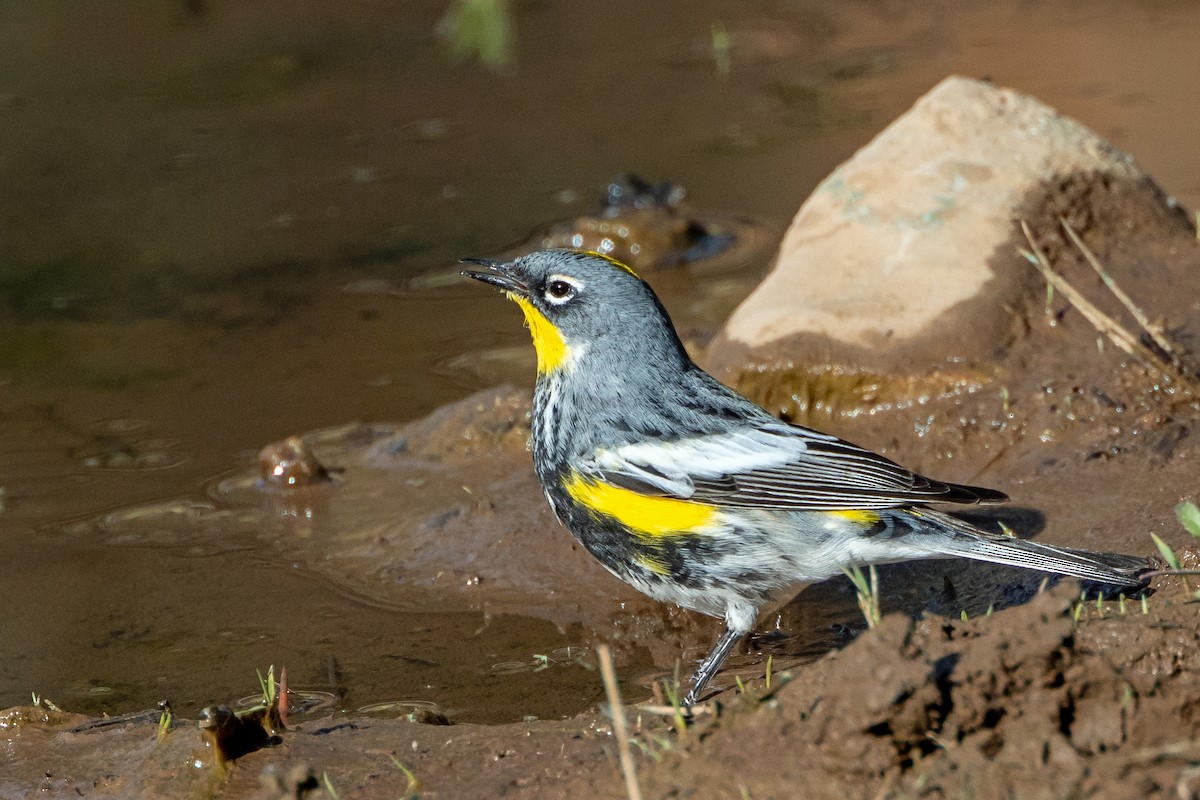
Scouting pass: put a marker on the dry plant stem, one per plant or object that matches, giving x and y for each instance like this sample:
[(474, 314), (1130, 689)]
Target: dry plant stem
[(1155, 331), (697, 710), (283, 696), (1158, 573), (1101, 321), (1186, 750), (618, 717)]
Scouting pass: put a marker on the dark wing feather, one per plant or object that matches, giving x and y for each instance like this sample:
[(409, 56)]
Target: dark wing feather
[(823, 473)]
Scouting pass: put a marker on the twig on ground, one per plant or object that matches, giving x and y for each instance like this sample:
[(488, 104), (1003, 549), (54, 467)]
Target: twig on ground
[(618, 717), (1169, 359), (696, 710), (1158, 573), (1155, 330), (1187, 750)]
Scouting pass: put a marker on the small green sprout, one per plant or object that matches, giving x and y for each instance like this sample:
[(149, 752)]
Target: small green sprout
[(1167, 553), (332, 792), (672, 691), (647, 749), (165, 719), (1189, 517), (770, 662), (410, 791), (662, 741), (1172, 560), (867, 590), (479, 29), (267, 684), (721, 46)]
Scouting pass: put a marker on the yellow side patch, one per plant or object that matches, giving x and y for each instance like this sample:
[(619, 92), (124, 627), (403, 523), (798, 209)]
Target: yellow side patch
[(653, 564), (614, 262), (858, 516), (646, 516), (552, 350)]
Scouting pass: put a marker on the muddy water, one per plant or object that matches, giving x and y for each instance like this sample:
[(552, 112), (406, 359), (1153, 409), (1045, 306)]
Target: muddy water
[(226, 225)]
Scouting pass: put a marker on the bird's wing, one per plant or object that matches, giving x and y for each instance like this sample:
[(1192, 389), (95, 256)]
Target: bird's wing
[(775, 465)]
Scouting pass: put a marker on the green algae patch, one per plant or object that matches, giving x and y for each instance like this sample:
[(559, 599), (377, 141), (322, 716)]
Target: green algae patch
[(806, 394)]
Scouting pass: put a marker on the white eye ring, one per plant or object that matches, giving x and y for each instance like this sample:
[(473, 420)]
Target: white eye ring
[(560, 289)]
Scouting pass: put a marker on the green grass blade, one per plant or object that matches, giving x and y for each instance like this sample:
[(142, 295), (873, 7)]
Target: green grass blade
[(1167, 553), (1189, 517)]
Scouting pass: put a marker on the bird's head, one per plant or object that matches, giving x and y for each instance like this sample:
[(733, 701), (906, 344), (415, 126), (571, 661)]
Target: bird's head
[(581, 304)]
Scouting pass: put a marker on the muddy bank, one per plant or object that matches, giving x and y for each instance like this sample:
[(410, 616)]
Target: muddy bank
[(1044, 700), (1026, 703), (1059, 413), (187, 198), (1041, 697), (427, 572)]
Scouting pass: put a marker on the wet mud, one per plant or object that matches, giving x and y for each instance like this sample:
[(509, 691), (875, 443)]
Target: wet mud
[(1050, 699), (1030, 702), (980, 681), (412, 574)]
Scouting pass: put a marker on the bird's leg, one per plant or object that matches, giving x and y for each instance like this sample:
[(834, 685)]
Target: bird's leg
[(711, 664)]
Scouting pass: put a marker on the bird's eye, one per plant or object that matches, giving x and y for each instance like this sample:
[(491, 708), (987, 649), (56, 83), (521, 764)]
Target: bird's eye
[(559, 290)]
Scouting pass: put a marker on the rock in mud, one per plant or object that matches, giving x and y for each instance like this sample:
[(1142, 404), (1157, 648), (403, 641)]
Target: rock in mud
[(291, 463), (643, 224), (905, 258)]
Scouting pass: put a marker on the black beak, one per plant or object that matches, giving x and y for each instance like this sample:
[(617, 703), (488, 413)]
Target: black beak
[(497, 275)]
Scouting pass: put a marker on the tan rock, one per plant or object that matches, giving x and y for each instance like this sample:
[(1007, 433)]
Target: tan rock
[(905, 257)]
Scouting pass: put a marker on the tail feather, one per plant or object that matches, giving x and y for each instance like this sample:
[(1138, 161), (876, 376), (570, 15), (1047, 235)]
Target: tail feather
[(967, 541)]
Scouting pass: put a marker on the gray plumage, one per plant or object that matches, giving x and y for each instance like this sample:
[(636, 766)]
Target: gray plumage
[(622, 405)]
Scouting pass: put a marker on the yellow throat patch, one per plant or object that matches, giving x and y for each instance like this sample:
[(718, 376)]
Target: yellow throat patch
[(647, 516), (552, 350)]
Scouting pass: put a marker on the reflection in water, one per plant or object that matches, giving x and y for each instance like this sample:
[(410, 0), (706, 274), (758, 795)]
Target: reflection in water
[(480, 29)]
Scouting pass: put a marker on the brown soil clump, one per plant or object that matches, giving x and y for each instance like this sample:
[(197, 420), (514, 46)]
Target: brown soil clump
[(1027, 703)]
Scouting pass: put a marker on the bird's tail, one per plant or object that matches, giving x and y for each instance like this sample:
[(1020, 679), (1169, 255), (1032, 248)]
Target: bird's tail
[(965, 540)]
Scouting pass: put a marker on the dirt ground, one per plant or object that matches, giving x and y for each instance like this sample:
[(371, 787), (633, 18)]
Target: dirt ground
[(224, 223), (1047, 697), (1029, 702)]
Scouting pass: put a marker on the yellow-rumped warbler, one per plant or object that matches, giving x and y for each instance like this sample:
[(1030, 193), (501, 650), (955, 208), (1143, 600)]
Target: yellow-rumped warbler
[(692, 493)]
